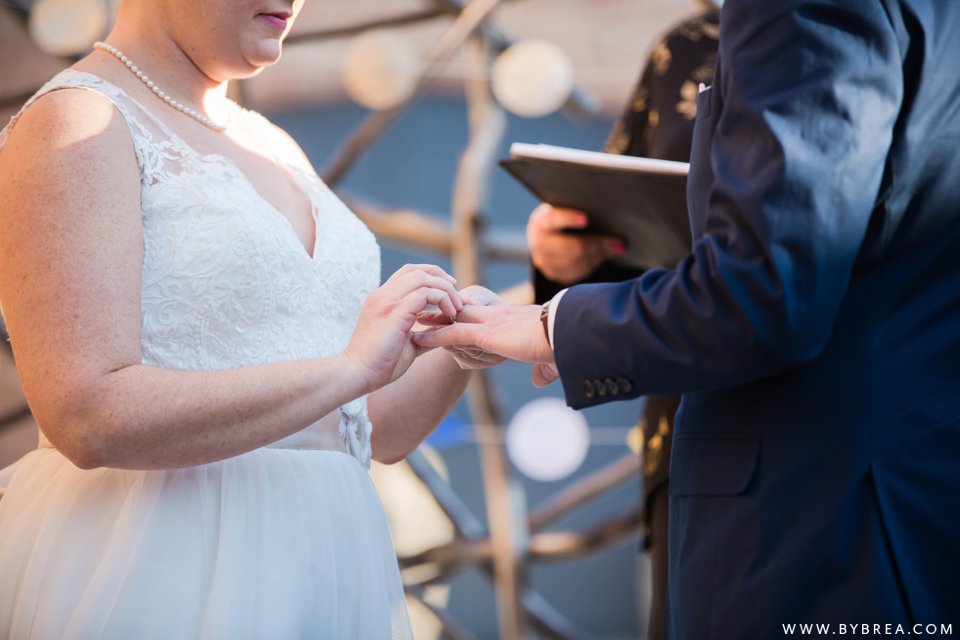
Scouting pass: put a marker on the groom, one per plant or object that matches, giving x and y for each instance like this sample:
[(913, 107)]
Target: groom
[(814, 329)]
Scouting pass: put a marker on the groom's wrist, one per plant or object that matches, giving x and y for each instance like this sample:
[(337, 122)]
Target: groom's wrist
[(545, 320), (549, 316)]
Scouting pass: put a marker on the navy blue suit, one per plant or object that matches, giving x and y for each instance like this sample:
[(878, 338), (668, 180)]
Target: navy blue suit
[(814, 329)]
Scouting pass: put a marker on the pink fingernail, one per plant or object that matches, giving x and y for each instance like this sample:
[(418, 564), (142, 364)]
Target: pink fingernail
[(619, 248)]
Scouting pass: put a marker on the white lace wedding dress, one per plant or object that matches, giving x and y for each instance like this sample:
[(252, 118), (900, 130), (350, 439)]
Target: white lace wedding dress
[(288, 541)]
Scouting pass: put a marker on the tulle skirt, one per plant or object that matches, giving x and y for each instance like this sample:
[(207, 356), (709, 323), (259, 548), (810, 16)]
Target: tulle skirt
[(276, 543)]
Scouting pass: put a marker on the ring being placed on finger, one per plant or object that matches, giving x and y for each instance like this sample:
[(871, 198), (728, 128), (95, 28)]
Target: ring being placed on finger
[(473, 352)]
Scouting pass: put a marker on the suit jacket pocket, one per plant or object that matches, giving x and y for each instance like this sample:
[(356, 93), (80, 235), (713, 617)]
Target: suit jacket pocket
[(713, 464)]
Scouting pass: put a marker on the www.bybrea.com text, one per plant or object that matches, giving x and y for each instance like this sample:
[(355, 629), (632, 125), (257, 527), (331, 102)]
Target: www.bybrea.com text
[(868, 630)]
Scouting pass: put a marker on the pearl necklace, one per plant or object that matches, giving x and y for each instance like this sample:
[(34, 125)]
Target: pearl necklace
[(182, 108)]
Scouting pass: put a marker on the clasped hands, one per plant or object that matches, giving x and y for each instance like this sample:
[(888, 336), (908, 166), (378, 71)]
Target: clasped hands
[(419, 308), (488, 329)]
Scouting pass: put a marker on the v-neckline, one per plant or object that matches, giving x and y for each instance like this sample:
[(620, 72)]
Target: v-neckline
[(309, 253)]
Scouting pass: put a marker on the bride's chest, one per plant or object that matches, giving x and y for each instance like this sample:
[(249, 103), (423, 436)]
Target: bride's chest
[(207, 229)]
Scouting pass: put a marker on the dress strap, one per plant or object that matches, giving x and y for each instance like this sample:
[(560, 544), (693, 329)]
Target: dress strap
[(143, 139)]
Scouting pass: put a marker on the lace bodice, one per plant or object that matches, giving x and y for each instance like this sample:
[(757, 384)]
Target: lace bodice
[(226, 281)]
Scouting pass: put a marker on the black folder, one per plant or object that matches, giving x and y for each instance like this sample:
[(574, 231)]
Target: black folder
[(641, 200)]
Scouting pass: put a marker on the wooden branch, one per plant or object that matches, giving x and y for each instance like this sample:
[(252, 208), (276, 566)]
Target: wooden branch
[(506, 508), (406, 226), (429, 232), (352, 30), (551, 622), (442, 562), (459, 514), (462, 27), (579, 106), (557, 546), (626, 468), (449, 627), (448, 559), (504, 244), (542, 615)]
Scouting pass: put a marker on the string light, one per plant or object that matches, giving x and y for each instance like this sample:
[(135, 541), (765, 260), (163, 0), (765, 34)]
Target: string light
[(67, 27), (533, 78), (547, 440), (380, 70)]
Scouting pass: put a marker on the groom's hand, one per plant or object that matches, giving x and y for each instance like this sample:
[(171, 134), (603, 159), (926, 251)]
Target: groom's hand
[(467, 356), (508, 330)]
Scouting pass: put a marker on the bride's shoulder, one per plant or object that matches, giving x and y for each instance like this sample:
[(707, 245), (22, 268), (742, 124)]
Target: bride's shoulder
[(68, 116)]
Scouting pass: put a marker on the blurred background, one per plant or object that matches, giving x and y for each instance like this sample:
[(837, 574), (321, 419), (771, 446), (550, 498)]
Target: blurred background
[(400, 73)]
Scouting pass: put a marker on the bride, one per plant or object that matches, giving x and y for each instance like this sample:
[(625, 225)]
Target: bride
[(197, 324)]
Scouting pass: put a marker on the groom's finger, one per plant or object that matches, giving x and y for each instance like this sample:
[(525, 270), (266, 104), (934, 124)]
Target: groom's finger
[(476, 313), (451, 335), (543, 374)]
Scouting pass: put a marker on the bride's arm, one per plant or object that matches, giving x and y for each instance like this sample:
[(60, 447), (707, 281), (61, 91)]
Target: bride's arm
[(404, 412), (71, 250)]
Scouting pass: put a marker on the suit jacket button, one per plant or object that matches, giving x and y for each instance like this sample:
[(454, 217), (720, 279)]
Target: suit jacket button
[(599, 387), (625, 385), (588, 388), (611, 386)]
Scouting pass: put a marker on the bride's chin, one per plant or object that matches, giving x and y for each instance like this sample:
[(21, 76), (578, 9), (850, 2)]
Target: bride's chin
[(263, 54)]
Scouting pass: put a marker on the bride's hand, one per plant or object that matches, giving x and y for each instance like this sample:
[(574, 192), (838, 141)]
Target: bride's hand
[(468, 357), (381, 344)]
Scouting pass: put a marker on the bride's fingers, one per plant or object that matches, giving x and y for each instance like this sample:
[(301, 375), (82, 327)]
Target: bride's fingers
[(419, 279), (414, 302), (470, 313), (430, 269), (434, 318), (398, 288)]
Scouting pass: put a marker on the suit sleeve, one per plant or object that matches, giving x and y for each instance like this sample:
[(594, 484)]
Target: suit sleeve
[(809, 94)]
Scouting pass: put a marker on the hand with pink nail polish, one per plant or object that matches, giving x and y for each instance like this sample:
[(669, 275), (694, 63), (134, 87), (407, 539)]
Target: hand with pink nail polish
[(562, 250)]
